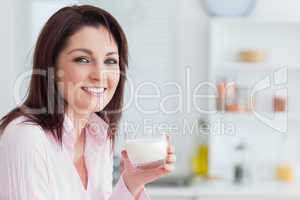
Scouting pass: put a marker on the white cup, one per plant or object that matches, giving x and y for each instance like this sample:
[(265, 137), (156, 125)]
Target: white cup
[(146, 150)]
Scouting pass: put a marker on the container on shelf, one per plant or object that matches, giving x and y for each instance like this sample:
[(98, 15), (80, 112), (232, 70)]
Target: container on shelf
[(221, 99), (284, 172), (233, 108), (244, 100), (230, 92), (279, 103), (241, 172), (254, 56), (200, 161), (284, 167), (232, 98)]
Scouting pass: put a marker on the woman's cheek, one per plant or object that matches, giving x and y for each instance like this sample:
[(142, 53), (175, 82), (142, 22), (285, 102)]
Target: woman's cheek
[(75, 96)]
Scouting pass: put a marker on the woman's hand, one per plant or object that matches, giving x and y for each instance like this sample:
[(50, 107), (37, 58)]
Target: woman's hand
[(135, 178)]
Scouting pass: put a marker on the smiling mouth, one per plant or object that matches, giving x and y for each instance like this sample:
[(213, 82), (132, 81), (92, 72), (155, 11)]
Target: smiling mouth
[(95, 91)]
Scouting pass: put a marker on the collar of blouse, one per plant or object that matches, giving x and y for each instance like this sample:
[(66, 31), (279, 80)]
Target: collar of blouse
[(95, 130)]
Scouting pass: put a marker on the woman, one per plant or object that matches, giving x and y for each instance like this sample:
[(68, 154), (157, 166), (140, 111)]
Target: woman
[(58, 144)]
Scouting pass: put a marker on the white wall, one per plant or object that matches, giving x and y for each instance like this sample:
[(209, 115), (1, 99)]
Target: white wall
[(160, 58), (7, 52), (14, 49), (277, 9), (191, 53)]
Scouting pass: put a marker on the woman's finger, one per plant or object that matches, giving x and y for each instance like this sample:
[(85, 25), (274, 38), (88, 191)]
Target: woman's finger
[(168, 168), (168, 139), (171, 158), (122, 166), (126, 162), (150, 175), (171, 149), (124, 155)]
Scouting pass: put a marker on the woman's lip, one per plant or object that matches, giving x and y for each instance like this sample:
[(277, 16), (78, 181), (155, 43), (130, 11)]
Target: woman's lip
[(97, 94), (94, 87)]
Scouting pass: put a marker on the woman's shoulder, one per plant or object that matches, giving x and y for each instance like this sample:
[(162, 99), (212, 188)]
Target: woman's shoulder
[(20, 133), (24, 158)]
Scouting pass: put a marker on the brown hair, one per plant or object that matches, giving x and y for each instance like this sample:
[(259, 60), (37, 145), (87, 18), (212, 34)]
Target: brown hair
[(44, 105)]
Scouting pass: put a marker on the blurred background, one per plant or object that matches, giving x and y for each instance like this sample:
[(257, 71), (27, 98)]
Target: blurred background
[(220, 76)]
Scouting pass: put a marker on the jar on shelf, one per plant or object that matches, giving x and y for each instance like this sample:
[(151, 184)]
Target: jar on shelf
[(241, 172), (221, 98), (244, 99), (230, 92), (280, 101)]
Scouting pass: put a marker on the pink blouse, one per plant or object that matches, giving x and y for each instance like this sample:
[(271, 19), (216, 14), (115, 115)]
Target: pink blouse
[(33, 166)]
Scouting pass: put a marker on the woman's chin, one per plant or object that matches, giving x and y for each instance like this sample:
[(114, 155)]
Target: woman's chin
[(84, 108), (88, 103)]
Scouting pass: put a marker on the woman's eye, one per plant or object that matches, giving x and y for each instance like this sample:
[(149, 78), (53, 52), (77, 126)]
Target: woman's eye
[(111, 61), (82, 60)]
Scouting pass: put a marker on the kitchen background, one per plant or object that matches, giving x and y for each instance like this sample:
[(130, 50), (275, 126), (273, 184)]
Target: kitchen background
[(222, 76)]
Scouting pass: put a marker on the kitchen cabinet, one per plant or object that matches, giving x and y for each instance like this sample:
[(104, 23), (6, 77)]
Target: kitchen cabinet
[(270, 137)]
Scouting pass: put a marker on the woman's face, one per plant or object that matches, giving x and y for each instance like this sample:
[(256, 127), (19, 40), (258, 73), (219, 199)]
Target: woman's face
[(88, 70)]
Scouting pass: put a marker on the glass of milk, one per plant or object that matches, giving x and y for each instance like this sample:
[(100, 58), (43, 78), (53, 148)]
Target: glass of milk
[(146, 150)]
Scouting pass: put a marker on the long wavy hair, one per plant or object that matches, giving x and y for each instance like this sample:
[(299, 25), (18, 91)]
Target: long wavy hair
[(44, 105)]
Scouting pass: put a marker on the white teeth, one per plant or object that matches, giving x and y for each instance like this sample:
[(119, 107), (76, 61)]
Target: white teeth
[(95, 90)]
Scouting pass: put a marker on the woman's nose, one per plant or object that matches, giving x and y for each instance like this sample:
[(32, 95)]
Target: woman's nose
[(98, 73)]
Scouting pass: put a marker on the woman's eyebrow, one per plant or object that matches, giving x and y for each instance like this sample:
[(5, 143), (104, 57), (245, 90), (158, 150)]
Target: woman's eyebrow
[(90, 52), (112, 53), (81, 49)]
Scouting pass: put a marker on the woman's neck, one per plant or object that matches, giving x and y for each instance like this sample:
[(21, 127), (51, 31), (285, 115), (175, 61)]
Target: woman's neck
[(79, 121)]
